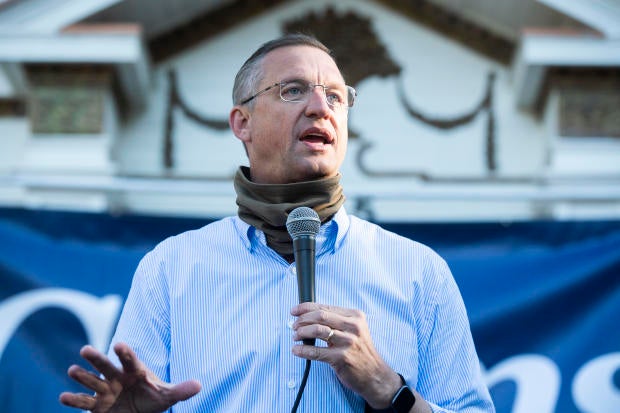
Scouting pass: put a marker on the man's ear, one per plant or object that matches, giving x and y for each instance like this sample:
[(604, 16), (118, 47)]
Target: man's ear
[(239, 121)]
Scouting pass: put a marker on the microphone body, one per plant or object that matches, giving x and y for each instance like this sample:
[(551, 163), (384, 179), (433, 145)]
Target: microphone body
[(303, 225), (304, 250)]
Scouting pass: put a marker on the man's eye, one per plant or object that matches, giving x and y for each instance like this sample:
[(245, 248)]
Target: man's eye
[(334, 97), (293, 90)]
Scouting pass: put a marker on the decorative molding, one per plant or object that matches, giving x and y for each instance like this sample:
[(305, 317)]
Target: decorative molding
[(360, 54), (589, 103), (67, 99), (455, 27), (353, 42), (206, 26), (175, 101), (485, 105), (589, 113), (421, 11)]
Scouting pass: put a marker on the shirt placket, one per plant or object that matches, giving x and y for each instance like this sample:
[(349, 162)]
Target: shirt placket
[(291, 367)]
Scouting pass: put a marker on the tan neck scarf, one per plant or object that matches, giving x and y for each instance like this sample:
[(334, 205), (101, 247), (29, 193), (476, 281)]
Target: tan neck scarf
[(266, 206)]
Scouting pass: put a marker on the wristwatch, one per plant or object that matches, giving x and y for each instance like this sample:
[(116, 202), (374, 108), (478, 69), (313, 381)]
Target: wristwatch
[(402, 402)]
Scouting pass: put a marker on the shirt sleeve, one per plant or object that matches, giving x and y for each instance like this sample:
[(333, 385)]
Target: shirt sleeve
[(144, 323), (449, 371)]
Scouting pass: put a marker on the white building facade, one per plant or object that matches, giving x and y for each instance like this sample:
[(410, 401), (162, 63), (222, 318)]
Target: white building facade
[(91, 120)]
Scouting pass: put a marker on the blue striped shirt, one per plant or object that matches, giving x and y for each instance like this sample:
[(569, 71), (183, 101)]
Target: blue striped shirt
[(214, 305)]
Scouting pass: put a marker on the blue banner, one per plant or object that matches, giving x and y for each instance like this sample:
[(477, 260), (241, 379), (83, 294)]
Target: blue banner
[(543, 300)]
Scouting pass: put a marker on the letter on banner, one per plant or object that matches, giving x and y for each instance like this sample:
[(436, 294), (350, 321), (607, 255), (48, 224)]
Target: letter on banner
[(537, 380), (593, 386), (97, 315)]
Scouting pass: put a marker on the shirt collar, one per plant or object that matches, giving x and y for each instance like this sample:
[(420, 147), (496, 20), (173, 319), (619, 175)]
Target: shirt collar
[(330, 237), (338, 227)]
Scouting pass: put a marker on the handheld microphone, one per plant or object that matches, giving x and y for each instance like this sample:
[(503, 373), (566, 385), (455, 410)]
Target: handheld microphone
[(303, 225)]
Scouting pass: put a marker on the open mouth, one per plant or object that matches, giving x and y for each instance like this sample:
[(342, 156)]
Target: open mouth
[(316, 135)]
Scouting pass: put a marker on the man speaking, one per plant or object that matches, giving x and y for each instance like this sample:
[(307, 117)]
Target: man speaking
[(213, 322)]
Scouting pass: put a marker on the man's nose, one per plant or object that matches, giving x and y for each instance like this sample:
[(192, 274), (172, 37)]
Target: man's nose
[(317, 102)]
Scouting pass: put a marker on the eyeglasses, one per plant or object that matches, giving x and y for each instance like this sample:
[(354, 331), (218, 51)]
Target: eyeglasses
[(300, 90)]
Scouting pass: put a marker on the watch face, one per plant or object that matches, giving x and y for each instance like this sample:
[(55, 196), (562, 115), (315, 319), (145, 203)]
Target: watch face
[(403, 400)]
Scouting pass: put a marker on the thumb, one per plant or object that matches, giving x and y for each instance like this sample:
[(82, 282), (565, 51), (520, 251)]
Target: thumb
[(185, 390)]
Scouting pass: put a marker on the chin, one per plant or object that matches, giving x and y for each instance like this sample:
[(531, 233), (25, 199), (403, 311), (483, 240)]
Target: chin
[(312, 170), (318, 175)]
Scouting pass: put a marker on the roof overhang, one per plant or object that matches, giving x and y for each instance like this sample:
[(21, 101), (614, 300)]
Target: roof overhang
[(42, 17), (601, 15), (540, 50), (120, 46)]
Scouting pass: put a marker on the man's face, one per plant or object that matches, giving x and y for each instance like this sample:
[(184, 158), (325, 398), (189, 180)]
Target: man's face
[(295, 141)]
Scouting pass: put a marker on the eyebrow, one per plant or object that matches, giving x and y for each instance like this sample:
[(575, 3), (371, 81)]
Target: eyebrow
[(328, 85)]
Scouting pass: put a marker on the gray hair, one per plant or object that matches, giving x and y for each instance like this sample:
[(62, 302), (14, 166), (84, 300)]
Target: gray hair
[(250, 74)]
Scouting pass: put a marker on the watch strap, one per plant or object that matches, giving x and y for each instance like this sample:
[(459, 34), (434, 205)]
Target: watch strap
[(402, 401)]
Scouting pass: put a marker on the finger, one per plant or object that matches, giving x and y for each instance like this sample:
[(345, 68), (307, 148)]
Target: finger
[(355, 325), (308, 307), (304, 308), (77, 400), (185, 390), (127, 357), (100, 362), (317, 316), (324, 318), (312, 352), (314, 331), (87, 379), (331, 338)]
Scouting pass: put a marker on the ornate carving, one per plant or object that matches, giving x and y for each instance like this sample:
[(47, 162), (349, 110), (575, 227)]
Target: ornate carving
[(590, 112), (485, 106), (589, 101), (176, 101), (357, 49), (67, 99), (360, 54)]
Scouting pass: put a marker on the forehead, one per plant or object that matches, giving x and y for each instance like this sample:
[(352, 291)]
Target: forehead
[(305, 62)]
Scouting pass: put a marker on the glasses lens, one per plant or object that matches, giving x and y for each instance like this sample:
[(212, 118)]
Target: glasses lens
[(351, 94), (300, 90), (295, 91)]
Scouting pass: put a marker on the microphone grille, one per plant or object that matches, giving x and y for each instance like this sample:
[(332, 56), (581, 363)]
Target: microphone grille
[(303, 221)]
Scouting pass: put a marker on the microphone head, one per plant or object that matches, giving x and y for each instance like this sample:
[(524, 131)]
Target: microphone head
[(303, 221)]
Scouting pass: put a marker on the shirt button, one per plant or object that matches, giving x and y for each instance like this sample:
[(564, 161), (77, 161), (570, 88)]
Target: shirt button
[(291, 384), (293, 270), (289, 323)]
